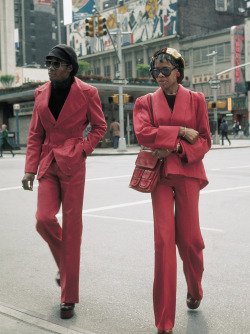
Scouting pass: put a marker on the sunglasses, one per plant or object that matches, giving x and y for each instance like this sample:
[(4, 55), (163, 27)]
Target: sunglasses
[(55, 64), (165, 71)]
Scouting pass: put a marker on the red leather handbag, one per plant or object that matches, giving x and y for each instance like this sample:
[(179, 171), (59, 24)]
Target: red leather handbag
[(147, 169), (146, 173)]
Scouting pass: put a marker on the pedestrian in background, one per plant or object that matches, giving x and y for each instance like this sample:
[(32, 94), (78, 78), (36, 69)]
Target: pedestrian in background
[(224, 131), (180, 137), (5, 142), (63, 109), (115, 130)]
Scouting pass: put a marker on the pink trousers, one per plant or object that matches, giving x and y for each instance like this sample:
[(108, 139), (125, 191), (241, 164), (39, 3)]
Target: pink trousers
[(55, 188), (176, 222)]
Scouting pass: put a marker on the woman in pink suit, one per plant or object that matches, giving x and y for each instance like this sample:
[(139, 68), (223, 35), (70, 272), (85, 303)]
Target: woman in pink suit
[(181, 137), (63, 109)]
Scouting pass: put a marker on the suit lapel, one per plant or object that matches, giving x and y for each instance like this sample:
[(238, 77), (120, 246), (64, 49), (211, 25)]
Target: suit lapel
[(75, 100), (180, 106), (43, 103)]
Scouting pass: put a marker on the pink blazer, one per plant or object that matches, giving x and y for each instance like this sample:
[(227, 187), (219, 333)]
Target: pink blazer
[(62, 139), (189, 111)]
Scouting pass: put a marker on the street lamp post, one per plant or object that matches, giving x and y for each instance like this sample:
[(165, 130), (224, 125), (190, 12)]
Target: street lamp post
[(215, 85), (122, 140), (16, 108)]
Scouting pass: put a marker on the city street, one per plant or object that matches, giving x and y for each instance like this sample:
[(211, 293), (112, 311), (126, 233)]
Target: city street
[(117, 262)]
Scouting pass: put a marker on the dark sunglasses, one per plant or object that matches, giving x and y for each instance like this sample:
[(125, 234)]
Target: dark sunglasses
[(55, 64), (165, 71)]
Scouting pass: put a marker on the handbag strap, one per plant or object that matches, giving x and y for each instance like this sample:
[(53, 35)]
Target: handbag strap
[(151, 108)]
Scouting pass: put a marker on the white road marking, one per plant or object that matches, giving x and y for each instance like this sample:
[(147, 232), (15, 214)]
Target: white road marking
[(142, 221), (234, 167)]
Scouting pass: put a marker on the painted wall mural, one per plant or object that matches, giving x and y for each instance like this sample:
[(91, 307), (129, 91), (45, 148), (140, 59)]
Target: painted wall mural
[(143, 19)]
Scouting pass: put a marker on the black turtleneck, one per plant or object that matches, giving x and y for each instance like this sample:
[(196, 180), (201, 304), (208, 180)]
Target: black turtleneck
[(58, 96), (171, 101)]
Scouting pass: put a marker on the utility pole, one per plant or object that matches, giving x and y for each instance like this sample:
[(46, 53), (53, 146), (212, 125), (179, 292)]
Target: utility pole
[(215, 84), (59, 23), (122, 140)]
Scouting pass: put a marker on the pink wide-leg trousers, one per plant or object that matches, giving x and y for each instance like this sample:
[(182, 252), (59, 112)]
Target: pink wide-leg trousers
[(176, 222)]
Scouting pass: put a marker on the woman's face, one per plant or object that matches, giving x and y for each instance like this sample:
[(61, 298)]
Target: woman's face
[(167, 82)]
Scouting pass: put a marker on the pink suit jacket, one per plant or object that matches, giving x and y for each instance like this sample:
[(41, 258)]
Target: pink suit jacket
[(189, 111), (62, 139)]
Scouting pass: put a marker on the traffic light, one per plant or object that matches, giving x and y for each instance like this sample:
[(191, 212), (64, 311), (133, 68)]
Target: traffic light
[(220, 105), (114, 99), (101, 26), (90, 26), (211, 105), (127, 99)]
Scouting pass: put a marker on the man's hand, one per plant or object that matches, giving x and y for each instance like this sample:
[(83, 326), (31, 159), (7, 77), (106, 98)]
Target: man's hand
[(28, 180), (161, 153)]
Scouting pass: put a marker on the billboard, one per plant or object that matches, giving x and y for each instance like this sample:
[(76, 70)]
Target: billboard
[(43, 6), (237, 53), (145, 20), (81, 9)]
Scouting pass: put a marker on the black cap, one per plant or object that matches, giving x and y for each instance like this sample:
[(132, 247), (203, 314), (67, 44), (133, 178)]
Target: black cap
[(65, 53)]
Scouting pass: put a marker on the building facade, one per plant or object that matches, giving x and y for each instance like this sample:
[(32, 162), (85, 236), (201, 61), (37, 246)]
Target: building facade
[(39, 26)]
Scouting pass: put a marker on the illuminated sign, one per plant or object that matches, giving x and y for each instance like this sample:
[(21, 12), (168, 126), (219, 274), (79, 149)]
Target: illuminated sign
[(237, 52)]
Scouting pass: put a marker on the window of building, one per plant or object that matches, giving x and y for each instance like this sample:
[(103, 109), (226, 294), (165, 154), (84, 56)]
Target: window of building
[(53, 11), (53, 35), (33, 59), (33, 45), (107, 71), (97, 70), (16, 20), (221, 5), (53, 23), (32, 19), (200, 55), (185, 55), (31, 6), (128, 69), (197, 57)]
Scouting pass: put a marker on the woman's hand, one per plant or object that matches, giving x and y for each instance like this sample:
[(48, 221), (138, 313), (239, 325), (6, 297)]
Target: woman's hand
[(189, 134), (161, 153)]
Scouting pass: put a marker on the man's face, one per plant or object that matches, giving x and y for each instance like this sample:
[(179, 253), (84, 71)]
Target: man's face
[(59, 74)]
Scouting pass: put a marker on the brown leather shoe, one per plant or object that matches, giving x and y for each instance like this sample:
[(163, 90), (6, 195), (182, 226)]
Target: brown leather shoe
[(67, 310), (168, 331), (192, 303)]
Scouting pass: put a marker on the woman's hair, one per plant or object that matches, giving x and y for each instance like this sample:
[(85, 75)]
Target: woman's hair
[(173, 57)]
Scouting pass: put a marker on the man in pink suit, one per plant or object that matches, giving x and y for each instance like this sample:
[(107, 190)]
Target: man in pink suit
[(64, 107)]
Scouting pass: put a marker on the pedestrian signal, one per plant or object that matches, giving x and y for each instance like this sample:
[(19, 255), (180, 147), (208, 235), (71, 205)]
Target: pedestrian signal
[(90, 26), (101, 26)]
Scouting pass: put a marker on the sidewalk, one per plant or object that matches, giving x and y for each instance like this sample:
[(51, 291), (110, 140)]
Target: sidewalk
[(133, 150)]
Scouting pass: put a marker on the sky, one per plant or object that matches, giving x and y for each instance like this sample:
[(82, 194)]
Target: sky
[(67, 4)]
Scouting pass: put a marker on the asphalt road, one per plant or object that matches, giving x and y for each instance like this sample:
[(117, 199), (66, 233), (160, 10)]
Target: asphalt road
[(117, 254)]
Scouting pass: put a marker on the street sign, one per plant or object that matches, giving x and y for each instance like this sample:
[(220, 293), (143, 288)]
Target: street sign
[(120, 81), (214, 82), (214, 86)]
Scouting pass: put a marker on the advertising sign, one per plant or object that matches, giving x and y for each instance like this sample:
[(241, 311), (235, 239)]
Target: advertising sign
[(237, 52), (82, 9), (43, 6), (145, 20)]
